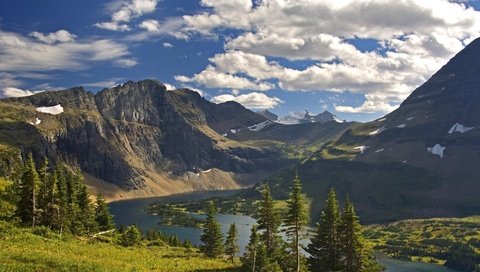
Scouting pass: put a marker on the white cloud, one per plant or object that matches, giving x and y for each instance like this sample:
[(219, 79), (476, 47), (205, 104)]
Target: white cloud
[(125, 11), (16, 92), (170, 87), (113, 26), (167, 45), (415, 38), (104, 84), (126, 63), (150, 25), (25, 55), (59, 36), (211, 78), (252, 100)]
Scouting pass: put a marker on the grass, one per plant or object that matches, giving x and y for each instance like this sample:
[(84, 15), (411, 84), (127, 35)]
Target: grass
[(21, 250)]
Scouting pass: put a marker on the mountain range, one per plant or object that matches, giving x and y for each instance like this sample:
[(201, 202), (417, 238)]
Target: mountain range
[(138, 139)]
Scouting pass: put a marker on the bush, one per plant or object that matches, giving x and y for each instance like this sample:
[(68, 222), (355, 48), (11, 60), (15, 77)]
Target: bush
[(130, 237)]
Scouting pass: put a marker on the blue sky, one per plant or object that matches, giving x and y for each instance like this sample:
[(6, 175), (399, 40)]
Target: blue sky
[(357, 59)]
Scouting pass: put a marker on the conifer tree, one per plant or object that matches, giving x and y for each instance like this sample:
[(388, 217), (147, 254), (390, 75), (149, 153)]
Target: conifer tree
[(231, 246), (43, 191), (131, 236), (268, 219), (62, 198), (324, 248), (51, 212), (102, 215), (86, 216), (296, 217), (249, 258), (212, 237), (27, 205), (355, 254)]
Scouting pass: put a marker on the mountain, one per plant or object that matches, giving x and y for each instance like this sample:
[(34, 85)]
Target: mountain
[(138, 139), (306, 117), (419, 161), (269, 115)]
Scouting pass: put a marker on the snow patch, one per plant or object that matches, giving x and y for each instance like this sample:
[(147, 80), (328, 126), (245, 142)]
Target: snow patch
[(207, 171), (36, 123), (361, 148), (459, 128), (410, 118), (260, 126), (336, 119), (381, 120), (378, 131), (380, 150), (57, 109), (436, 150), (233, 131), (401, 126), (224, 134)]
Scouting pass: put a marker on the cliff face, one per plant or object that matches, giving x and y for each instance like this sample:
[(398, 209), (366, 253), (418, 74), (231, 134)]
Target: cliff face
[(128, 134)]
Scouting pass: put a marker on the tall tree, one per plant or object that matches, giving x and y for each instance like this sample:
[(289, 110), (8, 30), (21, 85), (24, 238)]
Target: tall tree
[(324, 248), (61, 199), (231, 246), (268, 219), (51, 212), (27, 205), (249, 258), (296, 217), (102, 215), (87, 216), (43, 190), (355, 254), (212, 237)]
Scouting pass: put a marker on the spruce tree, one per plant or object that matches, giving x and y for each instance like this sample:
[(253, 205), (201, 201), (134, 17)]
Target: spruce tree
[(324, 248), (268, 219), (27, 205), (86, 216), (61, 200), (231, 246), (296, 217), (355, 255), (249, 259), (51, 212), (130, 237), (102, 215), (212, 237), (43, 191)]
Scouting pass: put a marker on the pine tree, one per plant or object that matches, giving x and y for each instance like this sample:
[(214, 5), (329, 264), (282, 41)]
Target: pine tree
[(324, 249), (87, 216), (43, 191), (268, 219), (27, 205), (296, 218), (249, 258), (52, 211), (212, 237), (130, 237), (231, 246), (61, 200), (356, 256), (102, 215)]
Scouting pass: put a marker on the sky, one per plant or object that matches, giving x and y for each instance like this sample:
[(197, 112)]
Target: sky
[(358, 59)]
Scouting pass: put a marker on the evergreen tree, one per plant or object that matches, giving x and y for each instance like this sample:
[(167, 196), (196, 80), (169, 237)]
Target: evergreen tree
[(249, 258), (27, 205), (231, 246), (43, 191), (212, 235), (102, 215), (52, 211), (61, 200), (268, 219), (130, 237), (296, 217), (87, 215), (356, 256), (324, 248)]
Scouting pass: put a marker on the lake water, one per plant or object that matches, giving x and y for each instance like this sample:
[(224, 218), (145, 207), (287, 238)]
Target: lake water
[(128, 212)]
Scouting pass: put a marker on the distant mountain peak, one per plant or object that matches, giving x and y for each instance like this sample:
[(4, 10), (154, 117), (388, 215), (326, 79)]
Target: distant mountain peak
[(268, 114)]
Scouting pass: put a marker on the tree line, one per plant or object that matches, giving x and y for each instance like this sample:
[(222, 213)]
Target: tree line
[(337, 243), (57, 198)]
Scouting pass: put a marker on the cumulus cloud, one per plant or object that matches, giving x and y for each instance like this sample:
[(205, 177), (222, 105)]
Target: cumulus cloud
[(59, 36), (125, 11), (170, 87), (254, 100), (126, 63), (415, 38), (16, 92), (150, 25), (167, 45)]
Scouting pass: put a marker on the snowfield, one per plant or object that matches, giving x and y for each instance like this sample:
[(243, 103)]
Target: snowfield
[(401, 126), (57, 109), (260, 126), (457, 127), (378, 131), (436, 150), (361, 148)]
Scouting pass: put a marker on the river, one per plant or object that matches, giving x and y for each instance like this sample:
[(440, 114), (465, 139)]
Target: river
[(128, 212)]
